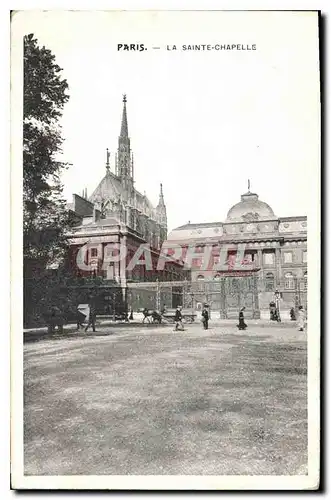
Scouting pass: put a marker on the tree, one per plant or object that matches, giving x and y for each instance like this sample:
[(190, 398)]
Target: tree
[(45, 217)]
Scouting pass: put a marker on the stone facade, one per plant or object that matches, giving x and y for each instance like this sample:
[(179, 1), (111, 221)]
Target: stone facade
[(117, 212), (275, 249)]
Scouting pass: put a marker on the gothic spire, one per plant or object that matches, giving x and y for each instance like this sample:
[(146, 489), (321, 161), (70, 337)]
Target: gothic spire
[(124, 124), (161, 209), (161, 198), (124, 150)]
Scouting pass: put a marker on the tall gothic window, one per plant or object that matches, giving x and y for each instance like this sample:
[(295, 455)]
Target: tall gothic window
[(305, 277)]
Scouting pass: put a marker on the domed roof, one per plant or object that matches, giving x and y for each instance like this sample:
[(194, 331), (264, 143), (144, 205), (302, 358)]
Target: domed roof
[(250, 208)]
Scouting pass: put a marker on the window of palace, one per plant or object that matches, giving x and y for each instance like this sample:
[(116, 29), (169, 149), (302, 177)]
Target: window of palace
[(288, 257), (304, 256), (94, 252), (305, 277), (200, 277), (269, 258), (248, 258), (231, 258), (216, 259), (289, 281), (269, 282)]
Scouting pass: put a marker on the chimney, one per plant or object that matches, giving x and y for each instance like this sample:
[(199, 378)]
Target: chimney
[(96, 215)]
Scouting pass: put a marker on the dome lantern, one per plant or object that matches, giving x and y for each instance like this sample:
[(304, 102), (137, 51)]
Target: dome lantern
[(250, 208)]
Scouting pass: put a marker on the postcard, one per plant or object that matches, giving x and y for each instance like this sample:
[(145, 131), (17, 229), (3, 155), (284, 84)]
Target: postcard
[(166, 172)]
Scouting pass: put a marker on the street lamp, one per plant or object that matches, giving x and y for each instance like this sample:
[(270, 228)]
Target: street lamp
[(114, 305), (277, 300)]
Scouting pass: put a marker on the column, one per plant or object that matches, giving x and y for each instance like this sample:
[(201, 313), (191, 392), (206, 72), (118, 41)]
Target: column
[(158, 296), (278, 265), (260, 259), (256, 305), (122, 270), (223, 314)]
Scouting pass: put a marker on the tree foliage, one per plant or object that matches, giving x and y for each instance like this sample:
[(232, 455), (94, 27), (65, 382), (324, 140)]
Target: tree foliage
[(45, 218)]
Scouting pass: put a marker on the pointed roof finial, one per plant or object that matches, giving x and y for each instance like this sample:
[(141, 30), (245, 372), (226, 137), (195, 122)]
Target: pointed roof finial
[(249, 185), (124, 124), (107, 159)]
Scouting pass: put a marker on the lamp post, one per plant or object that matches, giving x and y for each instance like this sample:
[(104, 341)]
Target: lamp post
[(297, 298), (114, 305), (277, 300), (158, 296)]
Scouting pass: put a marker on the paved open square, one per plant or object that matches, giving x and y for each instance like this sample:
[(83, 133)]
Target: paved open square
[(148, 400)]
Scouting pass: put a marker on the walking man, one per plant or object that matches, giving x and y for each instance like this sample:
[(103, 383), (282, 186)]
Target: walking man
[(92, 315), (146, 315), (205, 317), (301, 319), (178, 319)]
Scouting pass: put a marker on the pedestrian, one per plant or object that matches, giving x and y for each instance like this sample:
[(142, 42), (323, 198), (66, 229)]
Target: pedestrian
[(205, 317), (178, 319), (242, 325), (56, 320), (92, 315), (292, 314), (146, 315), (273, 311), (301, 318)]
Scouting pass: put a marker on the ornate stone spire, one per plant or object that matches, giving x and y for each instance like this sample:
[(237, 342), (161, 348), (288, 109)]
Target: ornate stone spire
[(124, 124), (161, 197), (124, 152), (161, 209), (107, 161)]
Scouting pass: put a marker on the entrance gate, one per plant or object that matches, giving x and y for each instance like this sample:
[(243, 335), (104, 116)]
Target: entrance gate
[(225, 295)]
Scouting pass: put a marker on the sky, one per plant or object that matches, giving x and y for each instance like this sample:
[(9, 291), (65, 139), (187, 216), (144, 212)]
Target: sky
[(200, 122)]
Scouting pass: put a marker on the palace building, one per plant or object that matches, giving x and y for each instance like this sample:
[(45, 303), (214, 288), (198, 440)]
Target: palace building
[(273, 258), (252, 254)]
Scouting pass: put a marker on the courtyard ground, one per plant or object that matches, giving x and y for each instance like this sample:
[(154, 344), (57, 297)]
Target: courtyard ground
[(148, 400)]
